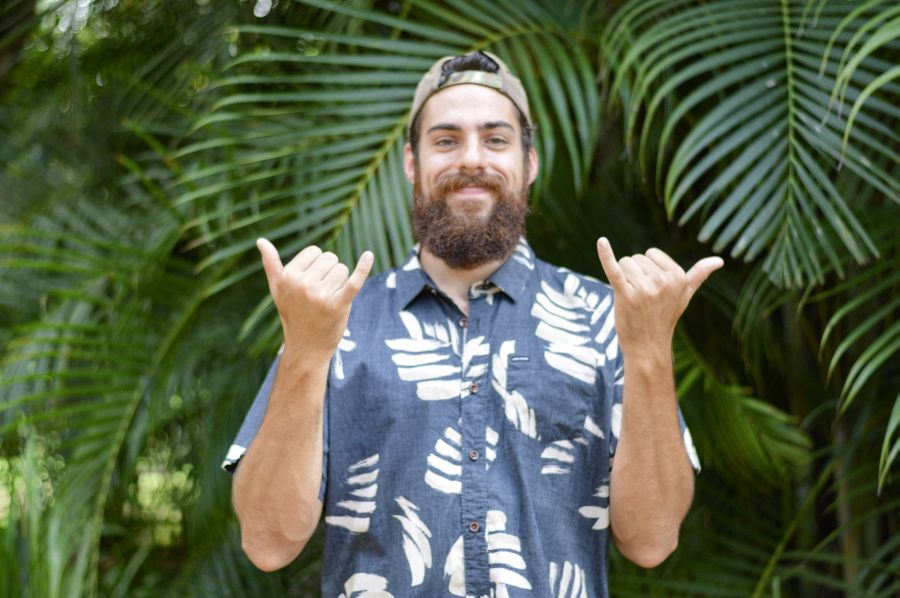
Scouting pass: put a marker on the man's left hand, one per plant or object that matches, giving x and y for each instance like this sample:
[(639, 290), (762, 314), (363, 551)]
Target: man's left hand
[(651, 292)]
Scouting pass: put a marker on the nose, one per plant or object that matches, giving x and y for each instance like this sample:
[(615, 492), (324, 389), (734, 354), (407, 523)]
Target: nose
[(472, 157)]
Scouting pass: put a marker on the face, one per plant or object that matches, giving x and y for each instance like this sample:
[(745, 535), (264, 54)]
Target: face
[(471, 178)]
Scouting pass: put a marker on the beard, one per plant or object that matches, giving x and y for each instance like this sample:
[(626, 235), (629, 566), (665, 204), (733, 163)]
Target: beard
[(466, 241)]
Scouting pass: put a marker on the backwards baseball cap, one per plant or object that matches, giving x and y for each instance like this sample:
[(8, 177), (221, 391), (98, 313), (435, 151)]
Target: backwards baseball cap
[(503, 81)]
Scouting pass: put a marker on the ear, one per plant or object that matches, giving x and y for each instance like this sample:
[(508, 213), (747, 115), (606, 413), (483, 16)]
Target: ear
[(409, 163), (533, 165)]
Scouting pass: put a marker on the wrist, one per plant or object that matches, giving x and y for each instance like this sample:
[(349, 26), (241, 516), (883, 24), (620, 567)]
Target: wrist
[(303, 359), (650, 357)]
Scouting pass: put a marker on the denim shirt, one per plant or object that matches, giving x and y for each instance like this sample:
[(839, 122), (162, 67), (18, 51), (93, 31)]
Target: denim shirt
[(469, 455)]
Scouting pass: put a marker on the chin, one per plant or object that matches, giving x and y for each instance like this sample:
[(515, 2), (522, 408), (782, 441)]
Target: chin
[(473, 208)]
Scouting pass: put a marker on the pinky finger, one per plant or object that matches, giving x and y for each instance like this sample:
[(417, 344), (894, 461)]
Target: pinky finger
[(356, 280)]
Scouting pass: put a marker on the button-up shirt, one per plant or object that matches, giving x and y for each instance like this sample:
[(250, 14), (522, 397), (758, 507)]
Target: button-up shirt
[(470, 455)]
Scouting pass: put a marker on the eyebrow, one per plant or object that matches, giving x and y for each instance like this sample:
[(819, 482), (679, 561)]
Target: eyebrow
[(494, 124)]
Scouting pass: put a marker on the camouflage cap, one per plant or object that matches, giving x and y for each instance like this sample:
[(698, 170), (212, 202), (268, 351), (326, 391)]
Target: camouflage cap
[(503, 81)]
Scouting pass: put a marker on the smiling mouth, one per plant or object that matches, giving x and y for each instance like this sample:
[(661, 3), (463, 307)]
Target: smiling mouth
[(472, 191)]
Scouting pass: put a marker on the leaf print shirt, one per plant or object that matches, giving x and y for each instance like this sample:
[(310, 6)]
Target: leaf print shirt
[(469, 455)]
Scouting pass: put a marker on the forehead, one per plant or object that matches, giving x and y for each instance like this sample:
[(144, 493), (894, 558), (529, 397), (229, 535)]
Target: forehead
[(468, 105)]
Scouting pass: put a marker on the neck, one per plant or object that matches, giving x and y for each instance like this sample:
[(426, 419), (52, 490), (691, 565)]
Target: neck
[(455, 282)]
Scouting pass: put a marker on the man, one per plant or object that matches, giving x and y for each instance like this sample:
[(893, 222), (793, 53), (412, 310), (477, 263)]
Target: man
[(459, 423)]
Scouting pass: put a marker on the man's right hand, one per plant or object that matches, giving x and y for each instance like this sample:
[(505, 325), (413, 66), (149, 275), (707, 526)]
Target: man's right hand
[(313, 294)]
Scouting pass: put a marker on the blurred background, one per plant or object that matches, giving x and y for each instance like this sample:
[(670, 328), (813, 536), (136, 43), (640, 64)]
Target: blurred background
[(145, 145)]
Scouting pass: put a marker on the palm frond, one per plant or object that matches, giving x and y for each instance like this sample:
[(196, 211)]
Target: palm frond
[(79, 375), (741, 435), (891, 446), (757, 165), (337, 180)]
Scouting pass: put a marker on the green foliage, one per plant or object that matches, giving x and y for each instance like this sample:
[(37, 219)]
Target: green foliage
[(763, 138), (147, 145)]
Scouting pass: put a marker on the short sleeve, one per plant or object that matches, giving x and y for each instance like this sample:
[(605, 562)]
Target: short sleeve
[(616, 418), (253, 421), (618, 388)]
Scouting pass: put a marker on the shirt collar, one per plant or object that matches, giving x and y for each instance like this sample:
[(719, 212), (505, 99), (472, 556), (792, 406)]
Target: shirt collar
[(411, 279), (511, 277)]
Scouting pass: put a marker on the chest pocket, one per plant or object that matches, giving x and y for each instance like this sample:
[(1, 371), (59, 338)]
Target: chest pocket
[(544, 400)]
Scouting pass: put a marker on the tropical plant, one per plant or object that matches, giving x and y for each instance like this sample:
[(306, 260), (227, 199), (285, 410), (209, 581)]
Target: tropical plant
[(147, 145)]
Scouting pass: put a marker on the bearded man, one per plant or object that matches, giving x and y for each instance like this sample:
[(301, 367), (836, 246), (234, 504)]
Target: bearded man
[(468, 426)]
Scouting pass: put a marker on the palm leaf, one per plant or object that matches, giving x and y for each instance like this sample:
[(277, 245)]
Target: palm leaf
[(742, 435), (78, 376), (337, 180), (891, 446), (757, 164)]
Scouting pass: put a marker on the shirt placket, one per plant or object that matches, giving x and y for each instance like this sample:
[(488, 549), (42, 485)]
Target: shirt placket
[(474, 483)]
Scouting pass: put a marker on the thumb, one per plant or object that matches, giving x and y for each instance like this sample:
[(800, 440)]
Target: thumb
[(356, 280), (270, 259), (700, 271)]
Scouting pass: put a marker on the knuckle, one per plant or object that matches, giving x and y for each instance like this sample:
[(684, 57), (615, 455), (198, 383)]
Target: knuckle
[(354, 285), (311, 252)]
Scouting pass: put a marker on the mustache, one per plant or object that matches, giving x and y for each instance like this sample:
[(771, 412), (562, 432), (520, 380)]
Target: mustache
[(455, 181)]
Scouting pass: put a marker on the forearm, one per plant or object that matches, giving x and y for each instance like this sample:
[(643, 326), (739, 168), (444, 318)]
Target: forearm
[(276, 486), (652, 482)]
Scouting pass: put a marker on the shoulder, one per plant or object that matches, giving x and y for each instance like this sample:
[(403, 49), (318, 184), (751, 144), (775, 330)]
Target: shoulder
[(389, 288), (578, 290), (377, 288)]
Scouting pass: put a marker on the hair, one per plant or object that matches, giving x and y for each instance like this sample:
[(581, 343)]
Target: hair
[(476, 61)]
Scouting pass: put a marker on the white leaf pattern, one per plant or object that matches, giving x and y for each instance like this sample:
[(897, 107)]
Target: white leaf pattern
[(490, 450), (506, 562), (523, 254), (572, 581), (616, 420), (519, 414), (599, 512), (592, 427), (454, 568), (564, 322), (416, 543), (361, 477), (691, 450), (443, 472), (365, 585), (504, 556), (444, 464), (426, 357), (558, 457), (344, 346)]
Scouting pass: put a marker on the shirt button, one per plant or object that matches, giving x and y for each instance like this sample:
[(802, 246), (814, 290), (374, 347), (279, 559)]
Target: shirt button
[(463, 322), (473, 388), (473, 455), (474, 527)]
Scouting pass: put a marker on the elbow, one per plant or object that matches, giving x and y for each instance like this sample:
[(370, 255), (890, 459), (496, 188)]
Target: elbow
[(270, 554), (649, 556)]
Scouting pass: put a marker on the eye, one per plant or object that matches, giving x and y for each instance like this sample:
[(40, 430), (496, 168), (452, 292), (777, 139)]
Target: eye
[(497, 140), (444, 142)]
